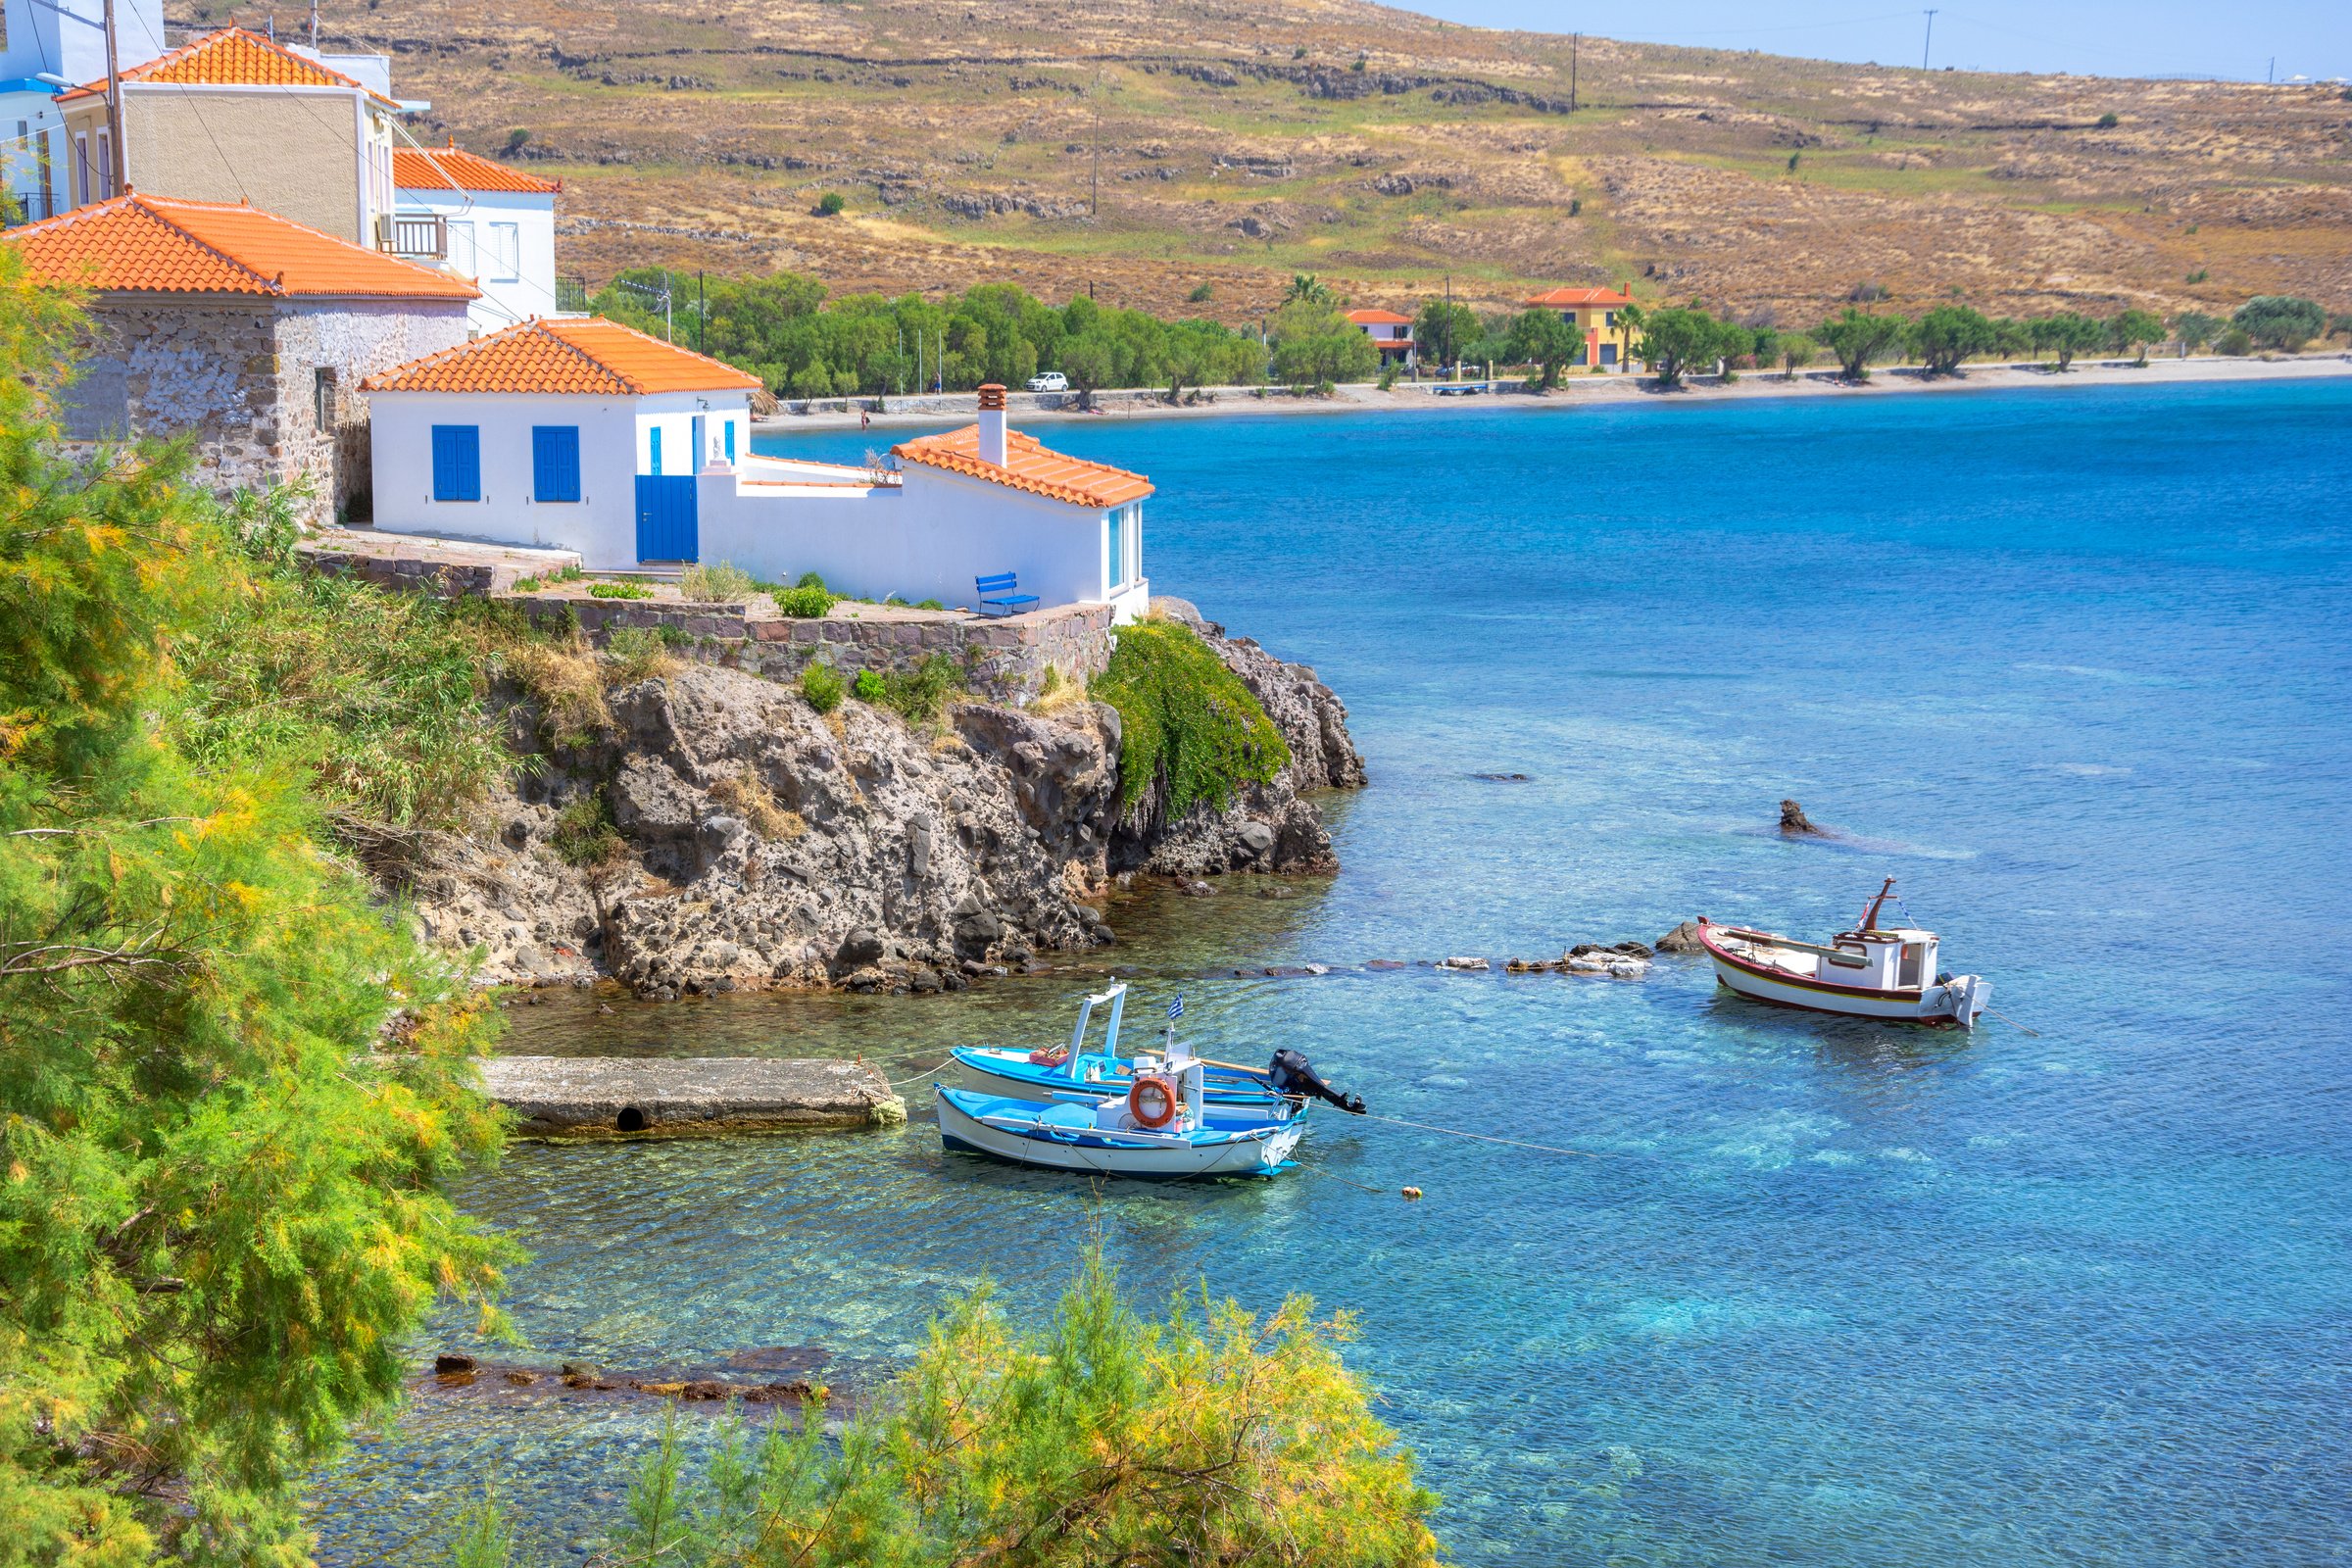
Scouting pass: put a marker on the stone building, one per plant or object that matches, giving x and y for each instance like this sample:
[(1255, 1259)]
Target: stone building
[(243, 330)]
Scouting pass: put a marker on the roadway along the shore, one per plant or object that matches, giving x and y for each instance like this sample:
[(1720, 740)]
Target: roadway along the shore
[(614, 1096)]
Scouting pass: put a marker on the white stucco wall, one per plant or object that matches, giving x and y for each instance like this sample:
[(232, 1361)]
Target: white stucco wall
[(614, 449), (506, 299)]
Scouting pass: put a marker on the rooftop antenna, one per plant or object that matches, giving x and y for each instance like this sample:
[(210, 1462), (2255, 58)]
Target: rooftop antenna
[(1931, 38), (314, 26)]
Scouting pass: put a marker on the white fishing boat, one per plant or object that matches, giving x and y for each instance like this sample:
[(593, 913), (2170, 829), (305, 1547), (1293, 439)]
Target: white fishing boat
[(1162, 1127), (1873, 972)]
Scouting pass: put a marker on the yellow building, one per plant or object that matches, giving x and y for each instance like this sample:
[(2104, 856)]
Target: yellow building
[(1597, 314)]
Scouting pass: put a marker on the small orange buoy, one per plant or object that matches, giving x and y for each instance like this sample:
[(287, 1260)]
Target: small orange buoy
[(1412, 1192)]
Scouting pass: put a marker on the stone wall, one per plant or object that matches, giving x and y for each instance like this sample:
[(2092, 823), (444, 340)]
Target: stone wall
[(1004, 658), (241, 379)]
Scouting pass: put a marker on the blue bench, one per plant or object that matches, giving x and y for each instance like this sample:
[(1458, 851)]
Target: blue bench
[(997, 596)]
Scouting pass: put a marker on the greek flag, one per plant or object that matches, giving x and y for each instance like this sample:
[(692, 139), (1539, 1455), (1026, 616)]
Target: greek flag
[(1176, 1010)]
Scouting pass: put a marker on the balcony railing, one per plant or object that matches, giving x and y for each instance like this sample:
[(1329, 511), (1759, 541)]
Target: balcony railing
[(417, 238), (571, 295), (28, 206)]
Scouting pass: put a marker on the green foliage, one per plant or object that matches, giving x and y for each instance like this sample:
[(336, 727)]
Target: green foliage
[(1444, 330), (2198, 276), (2234, 342), (1543, 338), (2066, 333), (223, 1212), (830, 204), (809, 579), (532, 584), (1201, 294), (1858, 337), (1675, 340), (619, 590), (2281, 320), (585, 834), (1795, 351), (869, 687), (1189, 730), (484, 1538), (374, 697), (716, 582), (2108, 121), (517, 139), (808, 602), (2012, 337), (1306, 288), (821, 686), (2133, 331), (637, 653), (1950, 333), (1214, 1437), (2193, 330), (1317, 347), (919, 693)]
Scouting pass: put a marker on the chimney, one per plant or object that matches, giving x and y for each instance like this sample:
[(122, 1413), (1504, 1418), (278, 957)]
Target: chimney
[(992, 424)]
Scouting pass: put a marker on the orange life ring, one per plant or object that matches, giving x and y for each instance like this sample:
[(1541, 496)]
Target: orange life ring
[(1152, 1102)]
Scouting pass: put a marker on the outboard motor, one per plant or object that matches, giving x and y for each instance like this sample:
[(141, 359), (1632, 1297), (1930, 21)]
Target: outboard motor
[(1291, 1073)]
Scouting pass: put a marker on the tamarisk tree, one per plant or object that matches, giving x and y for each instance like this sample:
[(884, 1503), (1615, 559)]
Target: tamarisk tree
[(218, 1212)]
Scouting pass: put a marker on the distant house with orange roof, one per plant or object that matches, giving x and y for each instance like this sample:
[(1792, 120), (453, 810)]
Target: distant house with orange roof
[(481, 220), (235, 116), (588, 435), (242, 330), (1391, 334), (1611, 342)]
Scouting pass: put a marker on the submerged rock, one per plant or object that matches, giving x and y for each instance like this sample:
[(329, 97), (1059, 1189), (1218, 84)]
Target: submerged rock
[(1683, 938), (1794, 822)]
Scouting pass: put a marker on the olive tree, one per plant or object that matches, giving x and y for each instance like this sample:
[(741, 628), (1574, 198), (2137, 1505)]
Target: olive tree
[(1951, 333), (1797, 350), (1545, 339), (2281, 320), (2133, 331), (1858, 337)]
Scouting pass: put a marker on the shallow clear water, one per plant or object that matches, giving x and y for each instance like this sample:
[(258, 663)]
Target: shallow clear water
[(2071, 665)]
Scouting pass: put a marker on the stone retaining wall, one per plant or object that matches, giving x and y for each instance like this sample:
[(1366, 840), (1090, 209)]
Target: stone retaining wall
[(1004, 658)]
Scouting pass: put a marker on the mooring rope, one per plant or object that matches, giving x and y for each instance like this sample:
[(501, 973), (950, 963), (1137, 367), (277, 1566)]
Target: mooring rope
[(1449, 1132), (921, 1076)]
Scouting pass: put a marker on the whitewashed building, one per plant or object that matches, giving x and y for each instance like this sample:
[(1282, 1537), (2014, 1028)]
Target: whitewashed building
[(586, 435), (49, 49), (482, 221)]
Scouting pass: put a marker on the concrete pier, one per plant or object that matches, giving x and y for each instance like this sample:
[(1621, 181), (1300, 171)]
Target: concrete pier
[(616, 1097)]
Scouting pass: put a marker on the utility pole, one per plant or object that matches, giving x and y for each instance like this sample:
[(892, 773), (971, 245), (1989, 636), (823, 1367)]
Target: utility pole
[(119, 173), (314, 26), (668, 322), (2270, 76), (1574, 41), (701, 314), (1931, 40)]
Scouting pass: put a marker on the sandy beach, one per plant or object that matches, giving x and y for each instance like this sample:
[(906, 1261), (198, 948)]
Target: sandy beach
[(1579, 390)]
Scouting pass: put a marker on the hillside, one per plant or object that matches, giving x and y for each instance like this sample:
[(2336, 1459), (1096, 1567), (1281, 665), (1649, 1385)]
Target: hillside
[(1143, 150)]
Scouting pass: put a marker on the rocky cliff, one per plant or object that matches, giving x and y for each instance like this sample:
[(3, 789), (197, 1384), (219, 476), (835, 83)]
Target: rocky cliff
[(735, 837)]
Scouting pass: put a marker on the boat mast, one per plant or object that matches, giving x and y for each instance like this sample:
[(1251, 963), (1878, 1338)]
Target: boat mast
[(1869, 917)]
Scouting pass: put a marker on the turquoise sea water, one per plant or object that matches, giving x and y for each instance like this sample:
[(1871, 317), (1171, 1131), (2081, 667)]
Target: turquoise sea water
[(2071, 665)]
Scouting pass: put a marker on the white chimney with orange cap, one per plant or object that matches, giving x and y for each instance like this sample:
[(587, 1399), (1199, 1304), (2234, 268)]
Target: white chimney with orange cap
[(992, 424)]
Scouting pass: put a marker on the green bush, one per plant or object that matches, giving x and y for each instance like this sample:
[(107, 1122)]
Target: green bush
[(1189, 730), (809, 579), (869, 686), (2234, 342), (619, 590), (922, 694), (830, 204), (585, 834), (2109, 121), (716, 582), (638, 652), (803, 603), (929, 604), (821, 686)]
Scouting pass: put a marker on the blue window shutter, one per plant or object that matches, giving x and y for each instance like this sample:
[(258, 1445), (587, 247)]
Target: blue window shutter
[(730, 426), (456, 462), (556, 462), (656, 435)]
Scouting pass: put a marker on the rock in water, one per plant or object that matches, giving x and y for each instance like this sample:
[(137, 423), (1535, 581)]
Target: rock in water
[(1794, 821), (1683, 938)]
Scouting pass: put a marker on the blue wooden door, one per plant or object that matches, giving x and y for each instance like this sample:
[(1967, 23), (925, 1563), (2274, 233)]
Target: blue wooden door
[(665, 517)]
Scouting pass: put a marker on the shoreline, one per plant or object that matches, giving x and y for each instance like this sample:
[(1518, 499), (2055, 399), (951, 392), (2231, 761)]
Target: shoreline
[(1577, 391)]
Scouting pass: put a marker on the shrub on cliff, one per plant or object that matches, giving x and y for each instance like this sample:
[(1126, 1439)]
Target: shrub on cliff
[(821, 686), (922, 694), (1214, 1437), (1189, 732), (222, 1218)]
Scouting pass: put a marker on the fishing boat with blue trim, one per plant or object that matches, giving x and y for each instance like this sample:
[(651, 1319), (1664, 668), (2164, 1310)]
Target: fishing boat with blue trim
[(1161, 1127), (1873, 972), (1231, 1090)]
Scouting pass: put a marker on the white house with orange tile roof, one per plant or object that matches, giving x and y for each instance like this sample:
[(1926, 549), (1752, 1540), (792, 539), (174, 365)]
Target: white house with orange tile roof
[(46, 50), (583, 434), (242, 330), (481, 220), (235, 116), (1391, 333)]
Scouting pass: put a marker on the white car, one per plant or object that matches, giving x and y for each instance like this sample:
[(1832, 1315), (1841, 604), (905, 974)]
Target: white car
[(1049, 382)]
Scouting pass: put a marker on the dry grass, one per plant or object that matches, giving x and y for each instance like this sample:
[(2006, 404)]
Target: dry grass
[(747, 795), (730, 125), (1058, 694), (636, 653), (567, 679)]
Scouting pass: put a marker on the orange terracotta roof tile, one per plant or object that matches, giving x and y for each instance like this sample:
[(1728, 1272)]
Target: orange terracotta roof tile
[(573, 354), (1378, 319), (456, 169), (1029, 467), (1582, 296), (159, 244), (231, 58)]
